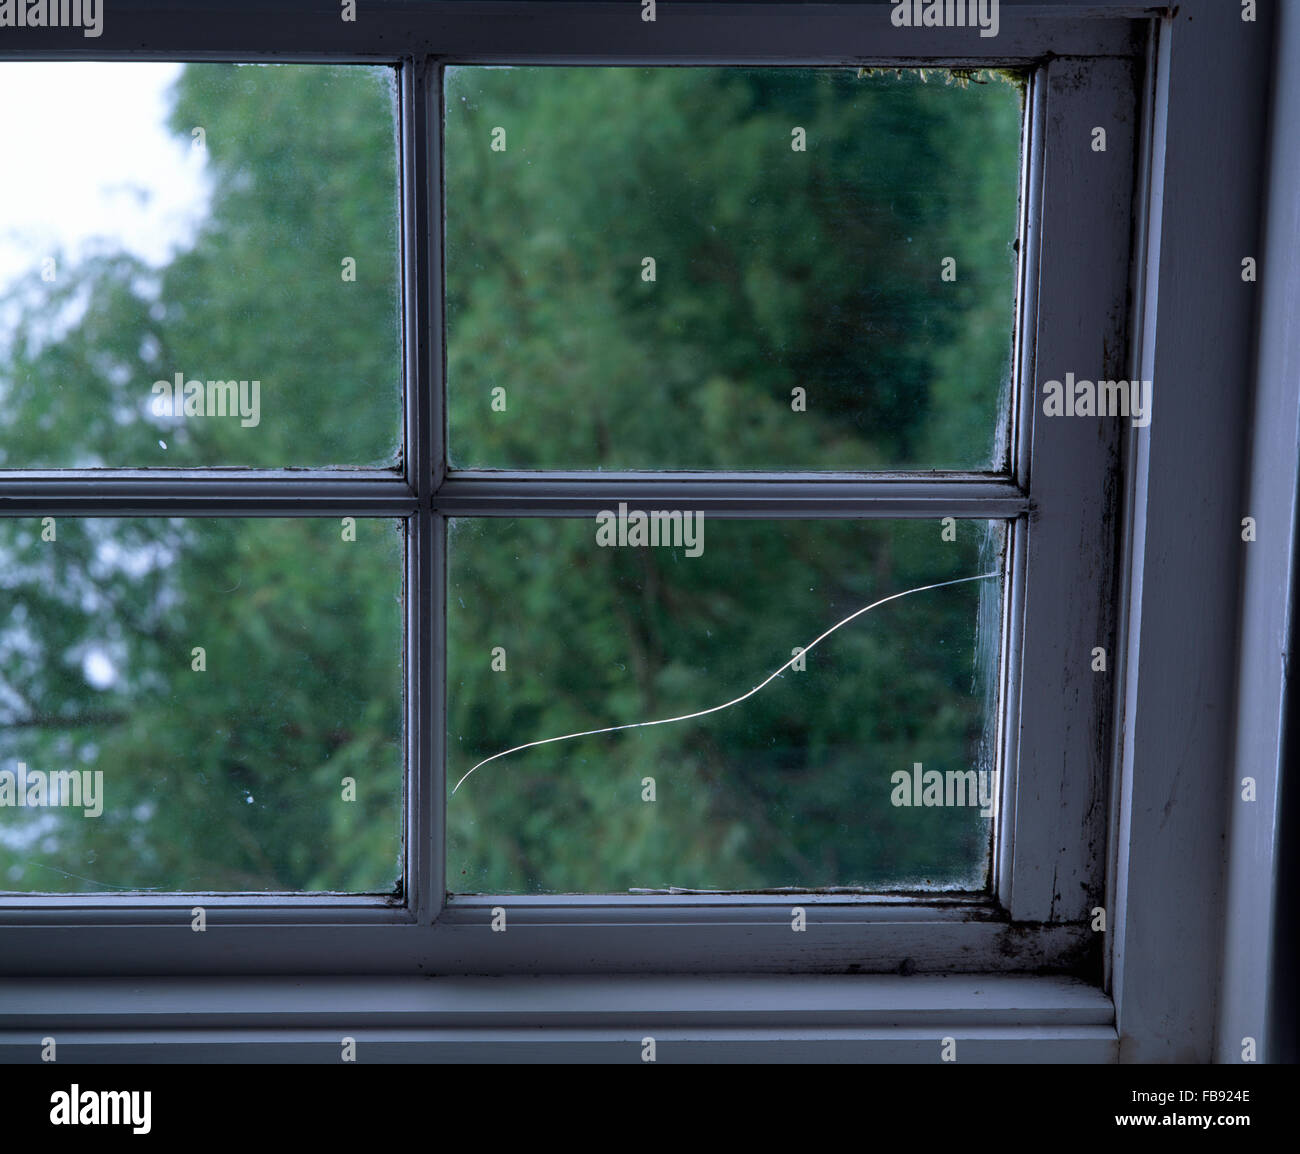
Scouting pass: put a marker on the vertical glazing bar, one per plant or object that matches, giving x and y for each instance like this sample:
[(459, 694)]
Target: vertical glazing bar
[(1022, 369), (423, 817), (434, 433)]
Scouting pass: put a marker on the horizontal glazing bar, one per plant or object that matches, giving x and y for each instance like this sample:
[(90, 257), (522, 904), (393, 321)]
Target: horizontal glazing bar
[(486, 495), (210, 493), (469, 30)]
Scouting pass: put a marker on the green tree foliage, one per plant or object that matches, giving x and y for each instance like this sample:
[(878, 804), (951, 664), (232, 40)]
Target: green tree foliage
[(774, 269)]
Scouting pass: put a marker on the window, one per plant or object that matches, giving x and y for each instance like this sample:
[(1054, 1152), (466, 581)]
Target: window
[(801, 372), (537, 391)]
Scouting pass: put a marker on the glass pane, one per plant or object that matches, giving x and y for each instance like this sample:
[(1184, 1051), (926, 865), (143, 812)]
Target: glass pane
[(729, 268), (200, 704), (199, 266), (557, 629)]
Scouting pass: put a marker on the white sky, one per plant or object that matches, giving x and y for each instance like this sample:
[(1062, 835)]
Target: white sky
[(87, 158)]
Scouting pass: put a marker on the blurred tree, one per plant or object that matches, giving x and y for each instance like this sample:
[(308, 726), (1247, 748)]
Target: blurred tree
[(774, 269)]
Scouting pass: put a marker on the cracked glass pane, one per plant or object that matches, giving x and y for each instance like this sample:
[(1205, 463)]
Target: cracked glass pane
[(823, 775)]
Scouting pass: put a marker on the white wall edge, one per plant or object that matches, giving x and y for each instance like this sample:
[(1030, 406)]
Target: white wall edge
[(1268, 572)]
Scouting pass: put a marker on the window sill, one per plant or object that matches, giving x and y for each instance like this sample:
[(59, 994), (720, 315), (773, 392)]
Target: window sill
[(993, 1018)]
